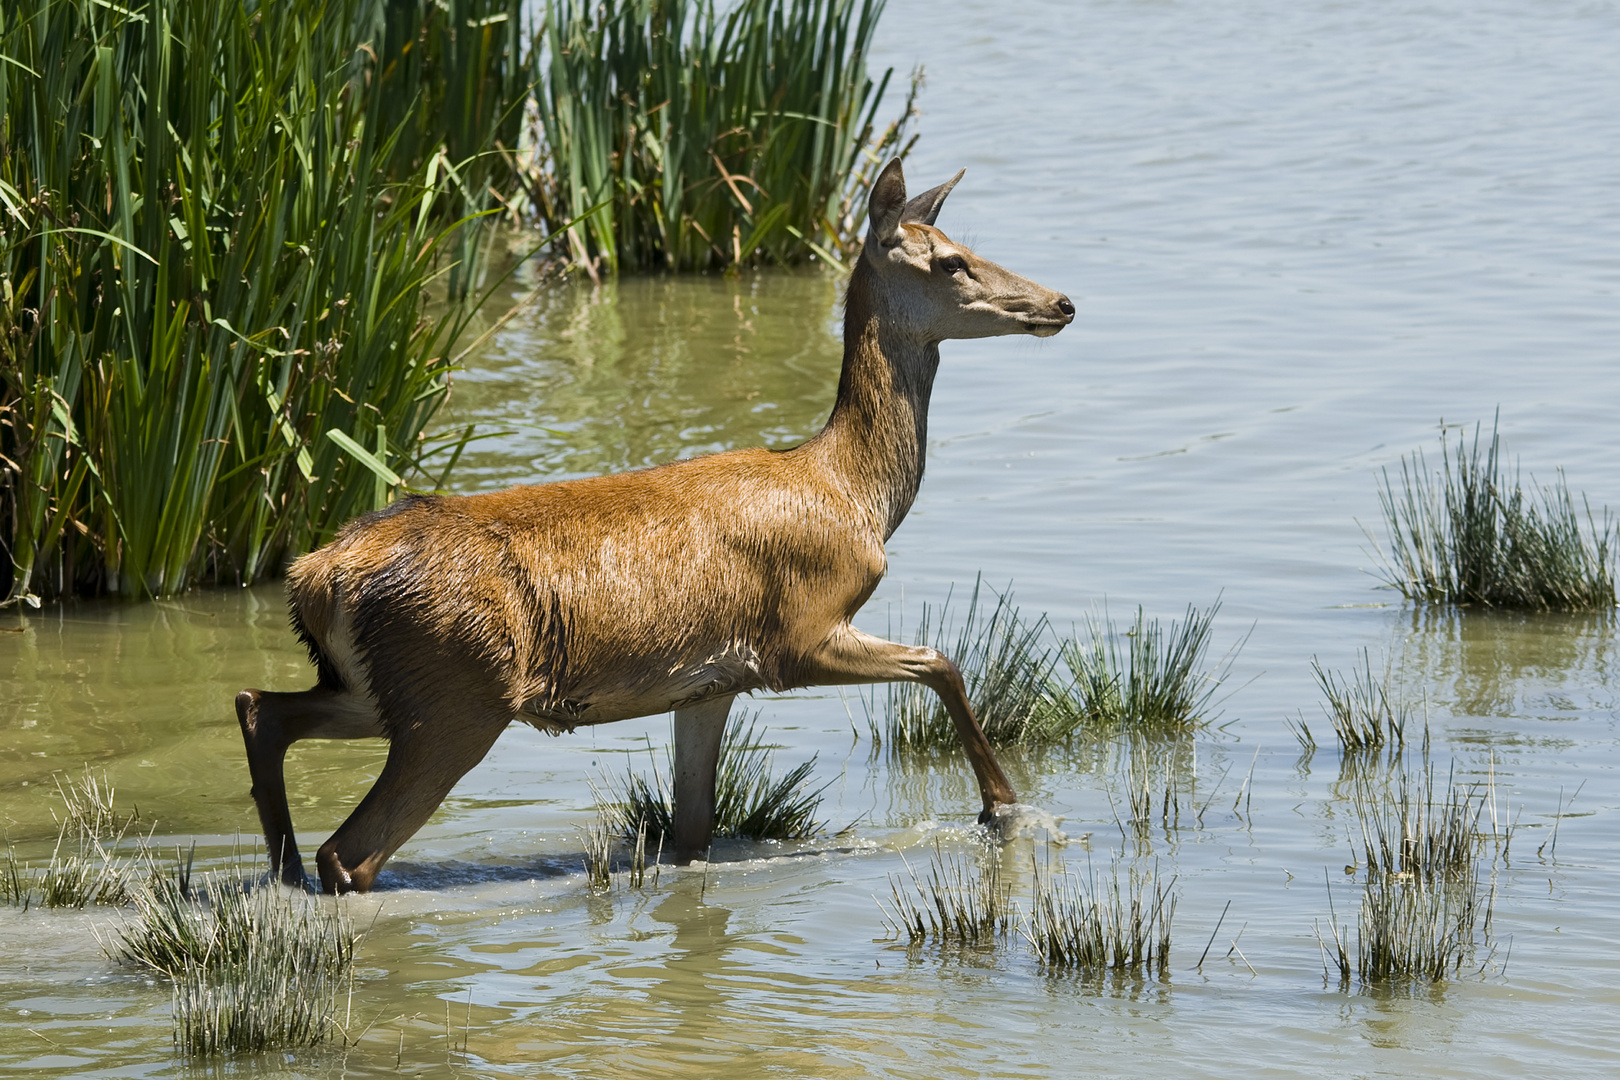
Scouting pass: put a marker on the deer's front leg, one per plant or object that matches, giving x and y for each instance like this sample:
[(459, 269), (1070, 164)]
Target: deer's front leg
[(849, 656), (699, 730)]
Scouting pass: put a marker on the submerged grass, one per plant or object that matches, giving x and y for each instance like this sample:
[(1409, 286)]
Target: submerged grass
[(958, 902), (694, 136), (1422, 913), (1120, 924), (1028, 687), (1367, 711), (748, 802), (86, 866), (217, 234), (1472, 534)]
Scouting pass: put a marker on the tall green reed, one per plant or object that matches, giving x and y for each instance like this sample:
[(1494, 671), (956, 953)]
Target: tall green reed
[(219, 225), (714, 139)]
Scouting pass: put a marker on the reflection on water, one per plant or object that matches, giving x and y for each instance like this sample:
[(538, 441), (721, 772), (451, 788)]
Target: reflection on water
[(646, 369), (1485, 663)]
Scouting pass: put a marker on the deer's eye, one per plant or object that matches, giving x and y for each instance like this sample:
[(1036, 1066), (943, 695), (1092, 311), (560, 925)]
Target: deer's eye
[(952, 264)]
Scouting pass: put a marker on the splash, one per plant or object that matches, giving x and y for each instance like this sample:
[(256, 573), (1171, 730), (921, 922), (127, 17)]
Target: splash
[(1016, 821)]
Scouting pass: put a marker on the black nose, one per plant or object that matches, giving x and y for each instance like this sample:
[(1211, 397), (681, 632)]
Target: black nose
[(1065, 307)]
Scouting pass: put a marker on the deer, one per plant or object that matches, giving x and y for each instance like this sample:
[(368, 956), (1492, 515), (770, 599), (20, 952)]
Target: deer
[(438, 620)]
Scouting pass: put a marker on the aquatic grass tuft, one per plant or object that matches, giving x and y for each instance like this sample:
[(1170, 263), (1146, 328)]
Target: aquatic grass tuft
[(1367, 711), (253, 968), (1119, 924), (748, 802), (1143, 777), (85, 866), (598, 841), (698, 136), (1472, 534), (1421, 913), (1411, 830), (956, 903), (1156, 683)]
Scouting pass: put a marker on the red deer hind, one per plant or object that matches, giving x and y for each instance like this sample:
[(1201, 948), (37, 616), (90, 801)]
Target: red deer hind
[(436, 622)]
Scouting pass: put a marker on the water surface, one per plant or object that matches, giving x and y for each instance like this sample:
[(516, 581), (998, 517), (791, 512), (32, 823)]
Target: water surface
[(1301, 238)]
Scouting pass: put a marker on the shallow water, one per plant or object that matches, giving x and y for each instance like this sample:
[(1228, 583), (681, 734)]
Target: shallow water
[(1300, 237)]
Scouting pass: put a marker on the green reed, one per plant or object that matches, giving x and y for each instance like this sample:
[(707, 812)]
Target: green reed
[(713, 138), (749, 802), (1422, 910), (217, 235), (1472, 534)]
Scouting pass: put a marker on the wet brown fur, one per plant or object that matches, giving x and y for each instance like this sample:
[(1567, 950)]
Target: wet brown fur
[(439, 620)]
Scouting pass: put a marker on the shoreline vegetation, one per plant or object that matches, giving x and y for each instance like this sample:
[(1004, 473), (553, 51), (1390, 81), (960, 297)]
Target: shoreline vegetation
[(230, 302)]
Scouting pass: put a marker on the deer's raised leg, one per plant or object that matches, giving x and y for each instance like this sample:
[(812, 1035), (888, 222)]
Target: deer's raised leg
[(424, 762), (271, 722), (849, 656), (699, 730)]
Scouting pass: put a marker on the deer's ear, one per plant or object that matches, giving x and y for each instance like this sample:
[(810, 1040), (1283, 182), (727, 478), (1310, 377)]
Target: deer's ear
[(925, 207), (888, 204)]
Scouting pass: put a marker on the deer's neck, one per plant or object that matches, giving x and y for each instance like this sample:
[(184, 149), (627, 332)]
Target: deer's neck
[(877, 435)]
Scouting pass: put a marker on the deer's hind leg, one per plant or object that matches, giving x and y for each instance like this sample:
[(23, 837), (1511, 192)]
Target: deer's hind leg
[(425, 759), (271, 722)]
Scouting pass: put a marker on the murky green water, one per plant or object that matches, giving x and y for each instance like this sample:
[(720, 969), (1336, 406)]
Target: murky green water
[(1300, 236)]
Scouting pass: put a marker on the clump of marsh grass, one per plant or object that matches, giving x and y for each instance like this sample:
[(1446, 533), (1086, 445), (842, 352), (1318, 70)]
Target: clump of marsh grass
[(1157, 682), (1119, 924), (749, 803), (85, 866), (1027, 687), (1367, 711), (694, 136), (598, 841), (956, 903), (1421, 913), (1472, 534), (253, 968), (1007, 664)]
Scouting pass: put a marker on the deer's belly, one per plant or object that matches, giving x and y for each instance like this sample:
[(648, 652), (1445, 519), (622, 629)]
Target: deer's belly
[(656, 688)]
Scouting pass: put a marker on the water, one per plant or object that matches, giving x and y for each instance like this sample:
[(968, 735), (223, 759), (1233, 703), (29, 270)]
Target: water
[(1300, 237)]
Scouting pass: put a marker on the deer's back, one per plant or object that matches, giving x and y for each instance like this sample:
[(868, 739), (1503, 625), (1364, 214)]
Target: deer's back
[(591, 600)]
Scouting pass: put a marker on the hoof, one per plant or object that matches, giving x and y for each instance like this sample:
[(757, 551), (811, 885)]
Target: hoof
[(335, 877)]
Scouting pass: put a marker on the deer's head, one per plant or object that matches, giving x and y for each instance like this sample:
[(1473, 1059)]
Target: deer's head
[(933, 288)]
